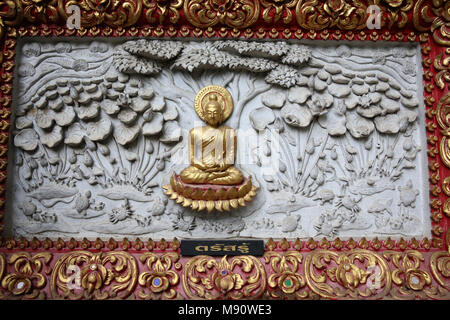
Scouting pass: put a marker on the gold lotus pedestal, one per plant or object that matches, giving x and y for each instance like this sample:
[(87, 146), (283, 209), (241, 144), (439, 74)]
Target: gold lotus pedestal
[(210, 196)]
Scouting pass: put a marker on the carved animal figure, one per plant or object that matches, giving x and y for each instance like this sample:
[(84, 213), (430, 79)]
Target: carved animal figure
[(380, 206), (408, 195), (350, 203), (325, 195), (82, 202)]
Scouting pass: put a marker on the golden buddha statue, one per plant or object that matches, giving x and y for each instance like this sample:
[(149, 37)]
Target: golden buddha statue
[(212, 149), (211, 181)]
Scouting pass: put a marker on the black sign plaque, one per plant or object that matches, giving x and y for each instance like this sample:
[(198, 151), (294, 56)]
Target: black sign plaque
[(222, 247)]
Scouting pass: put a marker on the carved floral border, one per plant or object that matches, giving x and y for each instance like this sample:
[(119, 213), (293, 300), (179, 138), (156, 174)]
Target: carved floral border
[(403, 269)]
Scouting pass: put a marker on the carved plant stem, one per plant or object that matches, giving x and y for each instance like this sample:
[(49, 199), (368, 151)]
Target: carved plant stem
[(63, 167), (51, 177), (151, 166), (118, 155), (141, 160), (397, 138), (317, 159), (141, 154), (306, 159), (358, 157), (338, 163), (21, 176), (290, 164), (299, 163), (150, 178), (101, 164)]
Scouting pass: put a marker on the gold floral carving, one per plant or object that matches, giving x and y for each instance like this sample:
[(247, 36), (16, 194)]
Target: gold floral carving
[(286, 277), (40, 10), (343, 14), (397, 11), (111, 12), (407, 270), (161, 279), (441, 64), (11, 15), (83, 274), (274, 10), (411, 278), (27, 278), (356, 274), (241, 277), (233, 13), (446, 186), (160, 10), (433, 16), (440, 265), (443, 119)]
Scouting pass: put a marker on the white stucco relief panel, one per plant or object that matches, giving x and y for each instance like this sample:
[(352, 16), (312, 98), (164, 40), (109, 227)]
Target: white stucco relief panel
[(333, 135)]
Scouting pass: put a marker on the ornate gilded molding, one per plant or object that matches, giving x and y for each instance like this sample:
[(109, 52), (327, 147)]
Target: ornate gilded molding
[(275, 10), (442, 116), (241, 277), (303, 269), (351, 271), (318, 15), (233, 13), (161, 11), (161, 278), (311, 15), (163, 274), (88, 275), (26, 279), (441, 64), (433, 16), (109, 12), (286, 278)]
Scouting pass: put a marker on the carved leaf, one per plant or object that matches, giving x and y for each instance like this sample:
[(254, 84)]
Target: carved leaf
[(26, 139), (53, 138), (273, 99), (44, 119), (171, 132), (358, 126), (100, 130), (64, 117), (261, 117), (333, 122), (154, 126), (23, 122), (110, 107), (74, 135), (88, 112), (127, 116), (296, 115), (388, 124), (124, 134)]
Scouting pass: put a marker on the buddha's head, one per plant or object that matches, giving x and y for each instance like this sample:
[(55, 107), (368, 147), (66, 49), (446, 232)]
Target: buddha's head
[(213, 111)]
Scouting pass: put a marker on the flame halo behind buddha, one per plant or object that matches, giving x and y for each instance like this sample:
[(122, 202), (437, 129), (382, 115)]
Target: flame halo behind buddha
[(212, 181)]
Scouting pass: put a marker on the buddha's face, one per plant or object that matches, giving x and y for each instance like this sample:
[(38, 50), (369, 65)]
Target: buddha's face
[(213, 114)]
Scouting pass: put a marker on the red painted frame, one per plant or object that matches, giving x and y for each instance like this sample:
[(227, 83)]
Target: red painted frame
[(426, 22)]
